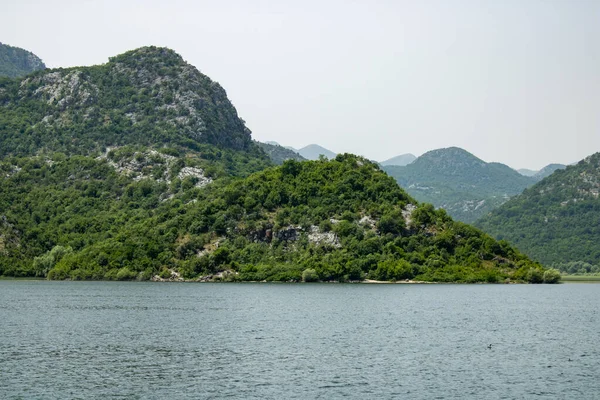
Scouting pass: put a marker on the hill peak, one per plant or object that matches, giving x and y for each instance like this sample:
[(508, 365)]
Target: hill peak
[(147, 96), (313, 151), (149, 54)]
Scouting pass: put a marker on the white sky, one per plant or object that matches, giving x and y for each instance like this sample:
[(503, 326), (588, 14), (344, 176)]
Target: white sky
[(514, 81)]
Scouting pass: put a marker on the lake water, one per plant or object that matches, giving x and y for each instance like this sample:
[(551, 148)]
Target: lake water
[(85, 340)]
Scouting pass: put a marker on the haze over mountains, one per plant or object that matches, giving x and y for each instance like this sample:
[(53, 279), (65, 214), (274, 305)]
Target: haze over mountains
[(401, 160), (140, 168)]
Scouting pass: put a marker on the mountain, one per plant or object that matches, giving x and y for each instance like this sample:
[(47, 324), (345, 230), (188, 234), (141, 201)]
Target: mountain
[(148, 96), (278, 154), (313, 151), (527, 172), (548, 170), (459, 182), (541, 174), (557, 220), (401, 160), (16, 62), (144, 216)]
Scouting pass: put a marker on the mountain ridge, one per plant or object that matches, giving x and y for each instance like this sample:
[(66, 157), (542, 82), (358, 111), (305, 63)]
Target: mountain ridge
[(16, 62), (454, 179), (400, 160), (556, 220), (313, 151)]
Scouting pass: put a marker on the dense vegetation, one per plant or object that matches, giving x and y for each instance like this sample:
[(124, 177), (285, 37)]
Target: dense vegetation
[(557, 221), (78, 218), (459, 182), (15, 62)]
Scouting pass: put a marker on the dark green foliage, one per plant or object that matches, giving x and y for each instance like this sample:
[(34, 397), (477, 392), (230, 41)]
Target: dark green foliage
[(557, 221), (78, 218), (459, 182), (15, 62)]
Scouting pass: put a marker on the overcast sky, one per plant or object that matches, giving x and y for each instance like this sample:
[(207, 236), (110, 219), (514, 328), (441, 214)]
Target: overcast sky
[(510, 81)]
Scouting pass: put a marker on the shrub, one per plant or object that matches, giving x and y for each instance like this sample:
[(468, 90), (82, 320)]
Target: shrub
[(309, 275), (551, 276)]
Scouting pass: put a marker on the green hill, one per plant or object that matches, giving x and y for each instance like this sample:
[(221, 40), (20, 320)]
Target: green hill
[(16, 62), (459, 182), (556, 221), (83, 218), (148, 97)]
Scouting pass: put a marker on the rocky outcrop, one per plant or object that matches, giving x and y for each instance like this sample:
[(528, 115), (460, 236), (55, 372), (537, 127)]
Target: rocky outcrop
[(323, 238), (155, 165), (293, 233), (407, 214)]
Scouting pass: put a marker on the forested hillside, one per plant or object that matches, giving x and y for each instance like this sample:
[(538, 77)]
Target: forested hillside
[(459, 182), (15, 62), (557, 221), (83, 218)]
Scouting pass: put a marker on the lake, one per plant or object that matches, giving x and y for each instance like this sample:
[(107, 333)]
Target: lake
[(86, 340)]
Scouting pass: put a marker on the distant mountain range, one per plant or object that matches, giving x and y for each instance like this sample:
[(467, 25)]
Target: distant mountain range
[(401, 160), (278, 154), (454, 179), (556, 221), (542, 173), (15, 62), (311, 152)]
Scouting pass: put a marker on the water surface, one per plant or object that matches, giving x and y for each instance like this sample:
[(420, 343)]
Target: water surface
[(62, 340)]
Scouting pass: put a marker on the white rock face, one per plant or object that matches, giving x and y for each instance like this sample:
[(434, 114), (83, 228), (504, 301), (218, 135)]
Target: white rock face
[(137, 167), (67, 90), (195, 173), (367, 221), (407, 214), (318, 237)]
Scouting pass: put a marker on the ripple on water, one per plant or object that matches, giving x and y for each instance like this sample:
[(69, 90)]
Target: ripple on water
[(155, 341)]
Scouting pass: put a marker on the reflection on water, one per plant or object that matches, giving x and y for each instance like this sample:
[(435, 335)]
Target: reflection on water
[(157, 340)]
